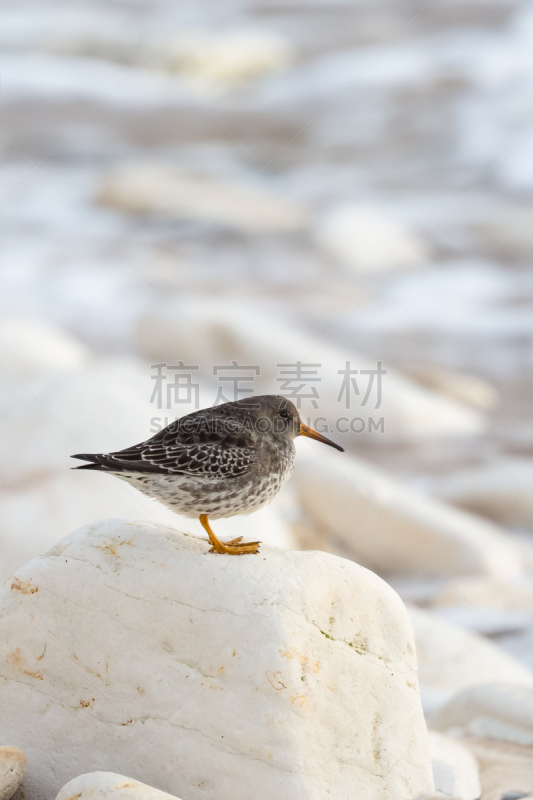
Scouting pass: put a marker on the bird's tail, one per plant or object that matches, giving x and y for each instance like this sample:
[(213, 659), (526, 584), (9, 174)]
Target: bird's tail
[(98, 461)]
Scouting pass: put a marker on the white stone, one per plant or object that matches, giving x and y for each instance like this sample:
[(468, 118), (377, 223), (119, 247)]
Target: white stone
[(467, 389), (502, 491), (451, 659), (495, 711), (488, 593), (370, 240), (217, 61), (487, 605), (13, 765), (110, 786), (290, 672), (35, 350), (390, 527), (505, 769), (210, 61), (210, 335), (455, 770), (161, 189)]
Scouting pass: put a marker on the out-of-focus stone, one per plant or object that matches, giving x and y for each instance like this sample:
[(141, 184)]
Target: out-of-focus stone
[(158, 189), (507, 232), (487, 605), (391, 528), (488, 593), (467, 389), (13, 765), (208, 335), (455, 770), (35, 352), (370, 240), (451, 659), (505, 769), (501, 491), (217, 61), (495, 711)]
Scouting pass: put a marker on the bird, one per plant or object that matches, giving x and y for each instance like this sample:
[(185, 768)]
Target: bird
[(216, 462)]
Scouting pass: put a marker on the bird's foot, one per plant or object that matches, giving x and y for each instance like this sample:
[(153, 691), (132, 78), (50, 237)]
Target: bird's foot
[(235, 548)]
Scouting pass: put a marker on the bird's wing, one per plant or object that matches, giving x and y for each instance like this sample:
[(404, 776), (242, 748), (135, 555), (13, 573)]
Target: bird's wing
[(192, 446), (199, 460)]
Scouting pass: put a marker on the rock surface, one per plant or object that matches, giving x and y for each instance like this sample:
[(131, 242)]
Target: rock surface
[(291, 672), (455, 770), (13, 765), (498, 711), (393, 529), (110, 786)]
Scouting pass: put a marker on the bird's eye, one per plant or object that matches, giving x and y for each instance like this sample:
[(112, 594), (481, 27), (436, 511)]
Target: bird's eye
[(284, 414)]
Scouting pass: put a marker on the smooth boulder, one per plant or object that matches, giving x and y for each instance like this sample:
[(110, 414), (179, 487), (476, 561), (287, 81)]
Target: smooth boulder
[(110, 786), (290, 672), (455, 770), (393, 529), (451, 659), (500, 711)]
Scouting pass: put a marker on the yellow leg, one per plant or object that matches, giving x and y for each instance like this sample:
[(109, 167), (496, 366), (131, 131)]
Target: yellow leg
[(232, 548)]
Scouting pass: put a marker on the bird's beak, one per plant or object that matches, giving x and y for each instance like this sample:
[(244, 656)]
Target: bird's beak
[(311, 434)]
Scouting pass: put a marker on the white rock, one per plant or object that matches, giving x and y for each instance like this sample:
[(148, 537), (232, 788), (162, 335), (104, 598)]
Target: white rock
[(451, 659), (455, 770), (467, 389), (487, 605), (488, 593), (154, 188), (292, 673), (13, 765), (370, 240), (505, 769), (110, 786), (496, 711), (501, 491), (212, 61), (507, 231), (391, 528), (219, 60), (210, 337), (36, 351)]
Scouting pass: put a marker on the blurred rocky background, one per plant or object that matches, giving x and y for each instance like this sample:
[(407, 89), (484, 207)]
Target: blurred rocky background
[(277, 182)]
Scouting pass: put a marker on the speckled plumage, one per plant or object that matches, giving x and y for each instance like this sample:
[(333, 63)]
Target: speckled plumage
[(217, 462)]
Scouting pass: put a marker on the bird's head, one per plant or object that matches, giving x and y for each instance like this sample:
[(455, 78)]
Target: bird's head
[(274, 414)]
